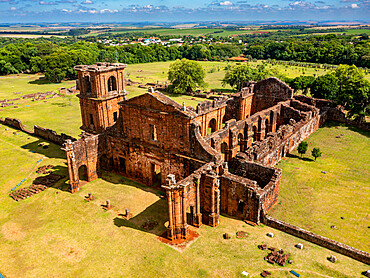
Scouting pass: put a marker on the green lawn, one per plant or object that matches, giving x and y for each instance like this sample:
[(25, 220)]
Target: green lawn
[(58, 234), (315, 201)]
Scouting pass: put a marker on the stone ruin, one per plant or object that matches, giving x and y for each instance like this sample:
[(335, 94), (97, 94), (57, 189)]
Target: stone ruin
[(216, 158)]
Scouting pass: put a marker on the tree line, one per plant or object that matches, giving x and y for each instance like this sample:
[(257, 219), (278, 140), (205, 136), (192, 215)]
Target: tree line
[(325, 49), (56, 59)]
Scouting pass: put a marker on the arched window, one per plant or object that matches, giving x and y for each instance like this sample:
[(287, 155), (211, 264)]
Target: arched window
[(112, 84), (212, 126), (87, 84)]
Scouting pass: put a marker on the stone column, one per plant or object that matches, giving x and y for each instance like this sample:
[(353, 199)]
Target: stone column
[(184, 224), (170, 232), (215, 205), (248, 137), (198, 215), (72, 171)]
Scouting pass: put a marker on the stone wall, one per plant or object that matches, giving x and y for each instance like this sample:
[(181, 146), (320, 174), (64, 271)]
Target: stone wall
[(44, 133), (270, 92), (286, 138), (317, 239), (51, 135)]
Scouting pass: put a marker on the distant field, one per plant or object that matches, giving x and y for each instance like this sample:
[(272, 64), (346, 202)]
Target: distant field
[(191, 31), (58, 234), (315, 201), (28, 36)]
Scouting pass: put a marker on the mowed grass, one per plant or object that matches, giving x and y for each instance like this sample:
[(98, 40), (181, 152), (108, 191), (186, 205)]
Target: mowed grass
[(59, 234), (316, 201)]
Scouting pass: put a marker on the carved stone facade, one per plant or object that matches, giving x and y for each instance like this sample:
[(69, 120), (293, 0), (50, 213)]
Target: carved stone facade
[(216, 158)]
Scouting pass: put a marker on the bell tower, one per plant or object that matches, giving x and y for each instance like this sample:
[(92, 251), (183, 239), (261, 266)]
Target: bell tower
[(102, 87)]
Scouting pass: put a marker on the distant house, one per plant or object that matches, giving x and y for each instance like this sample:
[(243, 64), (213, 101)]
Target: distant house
[(240, 58)]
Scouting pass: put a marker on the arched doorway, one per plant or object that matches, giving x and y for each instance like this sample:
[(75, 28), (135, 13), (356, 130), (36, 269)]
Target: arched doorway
[(240, 147), (224, 150), (112, 84), (82, 173), (212, 126)]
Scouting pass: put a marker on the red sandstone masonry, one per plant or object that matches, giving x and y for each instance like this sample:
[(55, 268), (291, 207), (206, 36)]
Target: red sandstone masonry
[(44, 133), (341, 248)]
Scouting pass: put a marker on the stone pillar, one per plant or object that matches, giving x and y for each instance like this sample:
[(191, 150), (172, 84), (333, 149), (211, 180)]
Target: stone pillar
[(170, 228), (198, 214), (261, 130), (248, 137), (215, 206), (184, 224), (176, 199), (72, 169)]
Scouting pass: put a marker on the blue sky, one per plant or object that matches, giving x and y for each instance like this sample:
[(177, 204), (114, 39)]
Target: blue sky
[(176, 10)]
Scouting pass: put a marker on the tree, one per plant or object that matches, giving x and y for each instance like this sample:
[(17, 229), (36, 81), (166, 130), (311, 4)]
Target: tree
[(316, 152), (302, 83), (237, 75), (185, 76), (302, 148), (325, 86), (354, 90)]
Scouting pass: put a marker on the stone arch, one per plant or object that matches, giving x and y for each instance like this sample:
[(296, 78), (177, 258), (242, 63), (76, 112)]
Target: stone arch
[(112, 84), (212, 126), (240, 147), (87, 84), (224, 150), (82, 173)]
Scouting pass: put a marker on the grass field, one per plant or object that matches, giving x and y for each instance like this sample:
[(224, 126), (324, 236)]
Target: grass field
[(58, 234), (316, 201)]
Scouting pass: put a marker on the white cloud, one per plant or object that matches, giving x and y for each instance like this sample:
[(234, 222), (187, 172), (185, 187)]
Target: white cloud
[(13, 8), (354, 6), (108, 11), (87, 2), (226, 3)]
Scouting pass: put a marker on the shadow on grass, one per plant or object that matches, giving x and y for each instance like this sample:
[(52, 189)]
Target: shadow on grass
[(52, 150), (301, 158), (40, 81), (156, 214), (63, 104), (116, 178), (332, 124)]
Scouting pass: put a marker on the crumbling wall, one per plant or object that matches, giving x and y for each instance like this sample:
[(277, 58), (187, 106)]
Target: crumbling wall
[(270, 92), (317, 239), (44, 133), (239, 197), (51, 135), (15, 123)]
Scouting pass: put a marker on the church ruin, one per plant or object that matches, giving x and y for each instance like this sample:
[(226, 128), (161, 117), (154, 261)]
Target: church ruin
[(216, 158)]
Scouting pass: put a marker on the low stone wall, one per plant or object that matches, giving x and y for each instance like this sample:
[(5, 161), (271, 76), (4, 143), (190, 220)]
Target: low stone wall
[(341, 248), (51, 135), (15, 123), (44, 133)]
